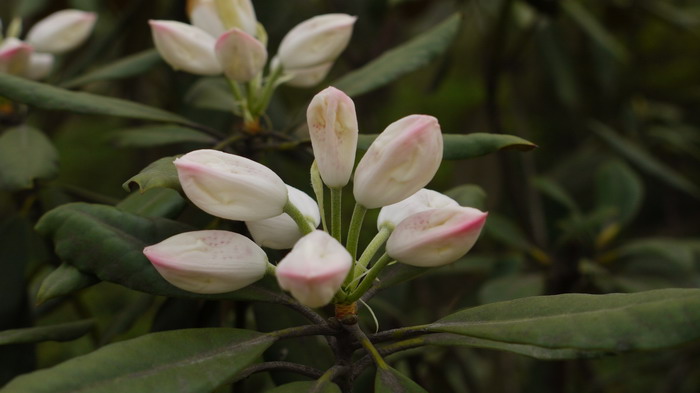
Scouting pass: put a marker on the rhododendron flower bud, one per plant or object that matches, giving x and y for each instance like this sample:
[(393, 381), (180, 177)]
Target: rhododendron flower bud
[(204, 15), (239, 14), (208, 261), (185, 47), (39, 66), (308, 77), (315, 269), (14, 56), (436, 237), (61, 31), (230, 186), (316, 41), (333, 130), (402, 160), (241, 55), (422, 200), (281, 232)]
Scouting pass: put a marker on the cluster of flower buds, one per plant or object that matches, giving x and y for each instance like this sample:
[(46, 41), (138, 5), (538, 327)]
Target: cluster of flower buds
[(56, 34), (420, 227)]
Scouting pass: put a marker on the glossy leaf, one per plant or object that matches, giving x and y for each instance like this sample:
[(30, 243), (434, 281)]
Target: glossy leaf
[(155, 202), (160, 173), (26, 155), (459, 147), (587, 322), (306, 387), (389, 380), (159, 136), (65, 280), (181, 361), (618, 187), (122, 68), (62, 332), (46, 96), (401, 60)]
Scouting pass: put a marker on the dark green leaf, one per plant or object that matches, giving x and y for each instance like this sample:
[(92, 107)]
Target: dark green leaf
[(401, 60), (511, 287), (459, 147), (65, 280), (660, 251), (389, 380), (155, 202), (594, 29), (159, 136), (122, 68), (211, 93), (160, 173), (26, 154), (46, 96), (306, 387), (27, 8), (63, 332), (557, 193), (506, 232), (613, 322), (618, 187), (181, 361), (468, 195)]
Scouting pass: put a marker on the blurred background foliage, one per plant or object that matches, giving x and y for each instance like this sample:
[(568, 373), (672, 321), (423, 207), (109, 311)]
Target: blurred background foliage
[(609, 92)]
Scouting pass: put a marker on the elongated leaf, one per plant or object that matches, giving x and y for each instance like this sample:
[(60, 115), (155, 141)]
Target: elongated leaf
[(594, 29), (618, 187), (613, 322), (159, 136), (401, 60), (46, 96), (557, 193), (459, 147), (26, 154), (155, 202), (389, 380), (63, 332), (306, 387), (108, 243), (122, 68), (181, 361), (645, 161), (160, 173), (65, 280), (211, 93)]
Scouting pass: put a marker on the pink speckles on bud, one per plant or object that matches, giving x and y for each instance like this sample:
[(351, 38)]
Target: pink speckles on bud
[(315, 269), (241, 55), (402, 160), (422, 200), (316, 41), (231, 186), (208, 261), (436, 237), (14, 56), (185, 47), (61, 31), (333, 129)]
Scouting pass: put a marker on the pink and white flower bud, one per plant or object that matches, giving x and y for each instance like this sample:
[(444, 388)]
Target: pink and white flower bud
[(241, 55), (392, 215), (333, 130), (14, 56), (316, 41), (315, 269), (402, 160), (185, 47), (39, 66), (308, 77), (208, 261), (61, 31), (230, 186), (436, 237), (204, 15), (239, 14), (281, 232)]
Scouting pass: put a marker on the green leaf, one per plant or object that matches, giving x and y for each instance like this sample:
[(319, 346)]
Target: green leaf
[(468, 195), (511, 287), (120, 69), (155, 202), (594, 29), (160, 173), (459, 147), (660, 250), (505, 231), (645, 161), (62, 332), (389, 380), (181, 361), (65, 280), (211, 93), (612, 322), (556, 193), (619, 187), (401, 60), (159, 135), (49, 97), (26, 154), (306, 387)]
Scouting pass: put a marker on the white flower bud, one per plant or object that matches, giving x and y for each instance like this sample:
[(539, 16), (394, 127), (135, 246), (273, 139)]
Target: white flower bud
[(402, 160), (422, 200), (281, 232), (230, 186), (208, 261), (204, 15), (39, 66), (315, 269), (185, 47), (333, 130), (241, 55), (308, 77), (316, 41), (436, 237), (61, 31), (14, 56), (239, 14)]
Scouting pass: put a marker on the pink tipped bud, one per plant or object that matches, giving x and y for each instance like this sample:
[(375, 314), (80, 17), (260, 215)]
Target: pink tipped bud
[(241, 55), (402, 160), (14, 56), (39, 66), (281, 232), (315, 269), (308, 77), (333, 130), (316, 41), (208, 261), (185, 47), (231, 186), (436, 237), (422, 200), (61, 31)]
